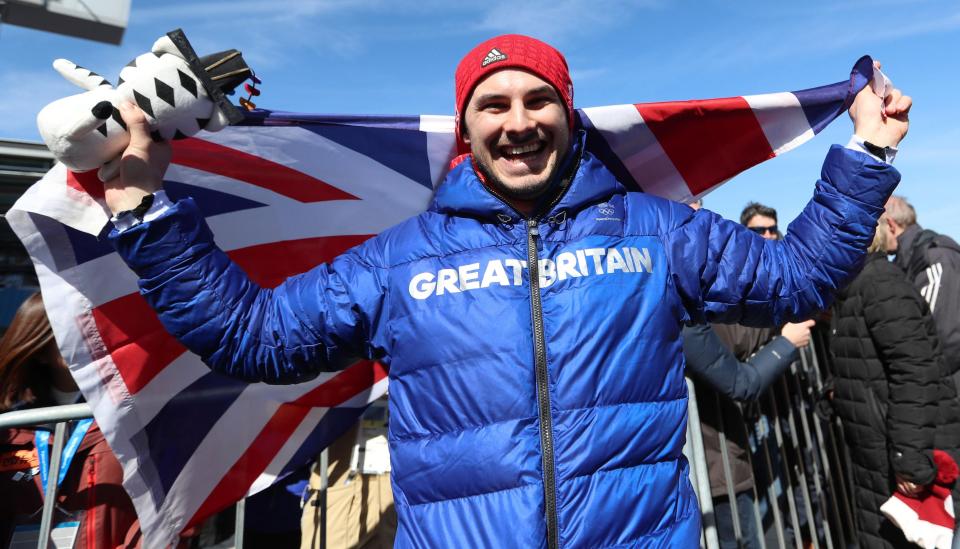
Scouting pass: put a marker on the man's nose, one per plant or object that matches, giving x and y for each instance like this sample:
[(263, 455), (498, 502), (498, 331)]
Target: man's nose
[(519, 120)]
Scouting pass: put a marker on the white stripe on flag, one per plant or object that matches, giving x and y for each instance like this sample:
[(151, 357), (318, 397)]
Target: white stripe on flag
[(441, 144), (632, 141), (96, 285), (173, 378), (326, 219), (226, 442), (782, 119), (52, 198), (331, 162), (290, 448)]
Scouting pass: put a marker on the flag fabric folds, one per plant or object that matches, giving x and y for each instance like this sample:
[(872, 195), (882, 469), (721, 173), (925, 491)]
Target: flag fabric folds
[(284, 192)]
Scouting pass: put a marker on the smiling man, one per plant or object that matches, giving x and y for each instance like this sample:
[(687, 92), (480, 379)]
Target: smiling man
[(530, 318)]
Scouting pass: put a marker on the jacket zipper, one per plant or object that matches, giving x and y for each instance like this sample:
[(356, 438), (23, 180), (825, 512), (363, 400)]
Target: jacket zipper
[(543, 387), (540, 351)]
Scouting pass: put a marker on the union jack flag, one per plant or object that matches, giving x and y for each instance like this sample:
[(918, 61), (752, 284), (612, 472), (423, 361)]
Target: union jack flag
[(284, 192)]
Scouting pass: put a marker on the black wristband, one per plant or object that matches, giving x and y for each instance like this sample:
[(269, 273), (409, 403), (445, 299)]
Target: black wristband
[(143, 207), (876, 150), (138, 212)]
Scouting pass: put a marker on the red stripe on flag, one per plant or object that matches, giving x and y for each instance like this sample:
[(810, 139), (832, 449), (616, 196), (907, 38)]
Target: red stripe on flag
[(235, 164), (270, 264), (234, 485), (138, 344), (141, 347), (346, 385), (86, 182), (708, 141)]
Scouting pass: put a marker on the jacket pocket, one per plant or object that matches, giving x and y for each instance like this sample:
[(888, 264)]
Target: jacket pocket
[(876, 409)]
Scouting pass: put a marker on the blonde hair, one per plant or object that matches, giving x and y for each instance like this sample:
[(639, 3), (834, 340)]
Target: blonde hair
[(879, 243)]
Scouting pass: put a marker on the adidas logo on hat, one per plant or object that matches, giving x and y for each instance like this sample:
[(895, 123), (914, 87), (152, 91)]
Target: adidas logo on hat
[(493, 56)]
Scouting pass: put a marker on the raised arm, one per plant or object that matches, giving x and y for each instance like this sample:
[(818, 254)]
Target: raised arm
[(725, 273), (709, 360), (311, 323)]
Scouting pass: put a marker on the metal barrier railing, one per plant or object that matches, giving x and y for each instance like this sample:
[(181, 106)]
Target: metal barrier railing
[(801, 477), (803, 465), (59, 416)]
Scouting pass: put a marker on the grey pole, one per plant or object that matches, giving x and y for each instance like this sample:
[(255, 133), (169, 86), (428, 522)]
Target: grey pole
[(785, 470), (728, 471), (39, 416), (815, 446), (763, 442), (800, 467), (50, 496), (322, 498), (698, 470), (238, 524), (837, 444)]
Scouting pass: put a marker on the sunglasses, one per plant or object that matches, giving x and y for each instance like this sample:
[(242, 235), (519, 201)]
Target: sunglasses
[(772, 229)]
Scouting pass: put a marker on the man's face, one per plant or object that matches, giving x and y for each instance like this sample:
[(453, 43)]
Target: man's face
[(764, 226), (516, 126)]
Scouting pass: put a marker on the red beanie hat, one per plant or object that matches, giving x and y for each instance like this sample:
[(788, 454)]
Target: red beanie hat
[(927, 519), (511, 51)]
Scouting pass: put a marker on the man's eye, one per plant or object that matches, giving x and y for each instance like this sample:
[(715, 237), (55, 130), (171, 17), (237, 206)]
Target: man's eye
[(494, 107), (539, 102)]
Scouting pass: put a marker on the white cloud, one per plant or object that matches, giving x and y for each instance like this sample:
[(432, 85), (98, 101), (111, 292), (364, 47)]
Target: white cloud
[(557, 20), (216, 12), (869, 29)]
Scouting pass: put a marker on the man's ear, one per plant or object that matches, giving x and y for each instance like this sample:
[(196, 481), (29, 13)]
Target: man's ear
[(894, 227)]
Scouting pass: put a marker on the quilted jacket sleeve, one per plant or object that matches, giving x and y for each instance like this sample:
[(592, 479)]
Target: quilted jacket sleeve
[(318, 321), (709, 360), (725, 273), (898, 323)]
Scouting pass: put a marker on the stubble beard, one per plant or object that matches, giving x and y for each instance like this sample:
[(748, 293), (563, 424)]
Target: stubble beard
[(533, 187)]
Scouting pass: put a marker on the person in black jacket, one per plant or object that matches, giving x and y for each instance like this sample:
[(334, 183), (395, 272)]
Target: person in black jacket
[(893, 391), (932, 263)]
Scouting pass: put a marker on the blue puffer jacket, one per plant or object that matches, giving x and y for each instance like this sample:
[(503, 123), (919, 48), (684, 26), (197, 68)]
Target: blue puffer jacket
[(533, 404)]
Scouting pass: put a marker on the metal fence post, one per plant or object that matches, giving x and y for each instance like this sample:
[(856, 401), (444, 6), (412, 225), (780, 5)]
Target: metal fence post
[(762, 436), (785, 466), (800, 467), (50, 496), (238, 524), (727, 471), (698, 470), (820, 467), (836, 449), (322, 498)]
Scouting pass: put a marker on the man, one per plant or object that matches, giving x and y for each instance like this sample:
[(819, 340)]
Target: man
[(767, 355), (722, 378), (530, 318), (932, 264)]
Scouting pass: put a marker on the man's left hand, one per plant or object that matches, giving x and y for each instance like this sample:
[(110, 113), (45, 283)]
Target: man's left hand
[(881, 121)]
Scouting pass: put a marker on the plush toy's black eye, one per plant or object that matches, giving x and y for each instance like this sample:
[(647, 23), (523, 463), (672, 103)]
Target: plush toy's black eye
[(102, 110)]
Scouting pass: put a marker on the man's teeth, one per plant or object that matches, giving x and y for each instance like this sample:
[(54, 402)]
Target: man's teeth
[(522, 150)]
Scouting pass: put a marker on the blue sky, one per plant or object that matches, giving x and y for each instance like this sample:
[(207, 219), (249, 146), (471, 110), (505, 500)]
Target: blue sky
[(398, 57)]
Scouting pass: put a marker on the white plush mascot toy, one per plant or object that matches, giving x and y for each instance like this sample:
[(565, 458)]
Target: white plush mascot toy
[(180, 94)]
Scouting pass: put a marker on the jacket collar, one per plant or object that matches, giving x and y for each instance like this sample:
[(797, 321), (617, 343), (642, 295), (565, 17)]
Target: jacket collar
[(905, 245), (463, 194)]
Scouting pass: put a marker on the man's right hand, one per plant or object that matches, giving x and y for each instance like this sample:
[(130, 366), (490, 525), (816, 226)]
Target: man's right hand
[(883, 121), (142, 164), (798, 334)]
